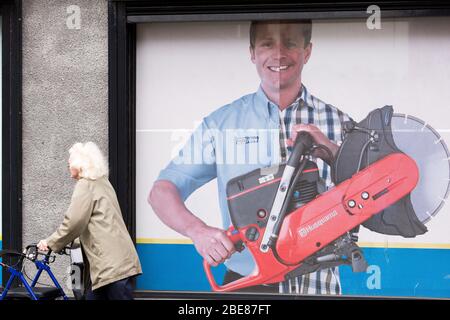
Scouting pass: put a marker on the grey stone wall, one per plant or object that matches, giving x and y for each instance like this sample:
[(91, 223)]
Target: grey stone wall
[(65, 100)]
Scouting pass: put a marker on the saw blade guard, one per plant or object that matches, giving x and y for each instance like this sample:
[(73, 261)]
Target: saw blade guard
[(382, 133)]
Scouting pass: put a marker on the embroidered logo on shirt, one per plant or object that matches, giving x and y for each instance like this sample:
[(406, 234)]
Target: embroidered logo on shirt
[(246, 139)]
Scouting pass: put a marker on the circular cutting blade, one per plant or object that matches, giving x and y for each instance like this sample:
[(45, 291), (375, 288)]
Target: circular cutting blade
[(427, 148)]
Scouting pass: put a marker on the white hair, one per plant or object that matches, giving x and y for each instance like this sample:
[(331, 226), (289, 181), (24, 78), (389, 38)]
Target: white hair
[(89, 160)]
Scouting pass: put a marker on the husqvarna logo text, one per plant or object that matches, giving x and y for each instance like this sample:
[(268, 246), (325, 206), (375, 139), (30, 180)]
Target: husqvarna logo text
[(311, 227)]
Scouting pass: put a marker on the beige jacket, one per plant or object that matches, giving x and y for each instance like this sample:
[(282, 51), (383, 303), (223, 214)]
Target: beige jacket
[(94, 216)]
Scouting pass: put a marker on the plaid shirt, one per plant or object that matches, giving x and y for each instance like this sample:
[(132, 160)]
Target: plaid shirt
[(308, 109)]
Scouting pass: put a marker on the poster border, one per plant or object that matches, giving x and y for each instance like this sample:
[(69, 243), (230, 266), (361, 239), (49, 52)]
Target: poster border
[(123, 16), (11, 12)]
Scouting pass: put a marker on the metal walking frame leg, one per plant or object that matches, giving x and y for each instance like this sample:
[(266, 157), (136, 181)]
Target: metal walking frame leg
[(36, 277), (41, 267), (8, 285), (28, 287), (17, 274)]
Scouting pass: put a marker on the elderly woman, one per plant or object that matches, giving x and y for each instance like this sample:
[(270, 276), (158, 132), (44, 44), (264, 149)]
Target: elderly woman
[(95, 218)]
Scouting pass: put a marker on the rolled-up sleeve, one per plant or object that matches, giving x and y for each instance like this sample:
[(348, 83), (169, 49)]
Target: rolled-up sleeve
[(195, 164)]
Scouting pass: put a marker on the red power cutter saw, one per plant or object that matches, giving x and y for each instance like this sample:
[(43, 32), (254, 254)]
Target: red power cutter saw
[(293, 226)]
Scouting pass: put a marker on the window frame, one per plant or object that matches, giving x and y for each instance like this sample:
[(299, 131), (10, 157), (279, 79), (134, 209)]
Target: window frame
[(11, 12), (122, 19)]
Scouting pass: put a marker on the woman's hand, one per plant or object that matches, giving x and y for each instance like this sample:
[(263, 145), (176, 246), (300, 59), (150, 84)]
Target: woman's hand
[(42, 245)]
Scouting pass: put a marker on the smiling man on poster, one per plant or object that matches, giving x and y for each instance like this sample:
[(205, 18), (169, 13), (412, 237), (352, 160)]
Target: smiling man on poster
[(264, 123)]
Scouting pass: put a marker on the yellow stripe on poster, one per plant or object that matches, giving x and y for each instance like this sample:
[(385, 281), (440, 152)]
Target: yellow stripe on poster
[(404, 245), (162, 241), (361, 244)]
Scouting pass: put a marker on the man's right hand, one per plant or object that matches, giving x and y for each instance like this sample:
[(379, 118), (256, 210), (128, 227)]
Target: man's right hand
[(212, 244)]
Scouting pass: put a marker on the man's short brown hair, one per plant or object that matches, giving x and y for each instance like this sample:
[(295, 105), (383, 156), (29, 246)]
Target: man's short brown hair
[(304, 25)]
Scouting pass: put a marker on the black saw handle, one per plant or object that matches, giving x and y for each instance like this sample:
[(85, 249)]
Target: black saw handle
[(303, 142)]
